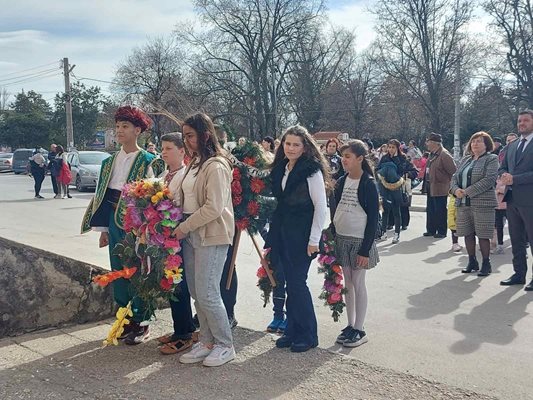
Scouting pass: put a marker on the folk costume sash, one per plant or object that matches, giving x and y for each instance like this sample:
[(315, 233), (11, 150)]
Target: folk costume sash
[(139, 170)]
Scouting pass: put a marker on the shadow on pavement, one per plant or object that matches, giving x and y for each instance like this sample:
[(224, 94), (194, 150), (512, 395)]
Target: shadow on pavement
[(83, 369), (442, 298), (478, 326)]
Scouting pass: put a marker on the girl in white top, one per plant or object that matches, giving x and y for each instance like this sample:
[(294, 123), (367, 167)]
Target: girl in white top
[(355, 221)]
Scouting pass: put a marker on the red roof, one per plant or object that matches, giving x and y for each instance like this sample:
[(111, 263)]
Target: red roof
[(326, 135)]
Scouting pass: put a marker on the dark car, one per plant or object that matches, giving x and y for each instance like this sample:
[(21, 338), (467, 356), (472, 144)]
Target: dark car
[(21, 159)]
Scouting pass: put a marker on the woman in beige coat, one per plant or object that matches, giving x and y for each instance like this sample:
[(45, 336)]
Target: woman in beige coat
[(207, 230)]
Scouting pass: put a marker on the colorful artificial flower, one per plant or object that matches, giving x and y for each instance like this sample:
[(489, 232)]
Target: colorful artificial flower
[(257, 185), (242, 224), (253, 208), (117, 329), (332, 289)]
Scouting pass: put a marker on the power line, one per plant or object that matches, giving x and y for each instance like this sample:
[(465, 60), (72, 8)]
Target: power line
[(30, 69), (34, 79), (29, 75)]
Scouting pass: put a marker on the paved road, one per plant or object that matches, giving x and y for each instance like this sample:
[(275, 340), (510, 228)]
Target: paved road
[(425, 317)]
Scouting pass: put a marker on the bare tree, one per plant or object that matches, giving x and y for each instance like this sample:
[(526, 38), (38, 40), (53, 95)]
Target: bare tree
[(320, 60), (422, 43), (151, 75), (4, 99), (513, 20), (244, 54)]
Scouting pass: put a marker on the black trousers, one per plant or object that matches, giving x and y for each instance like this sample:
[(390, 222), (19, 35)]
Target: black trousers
[(182, 312), (229, 296), (405, 217), (499, 224), (436, 215), (54, 184), (391, 205), (520, 229), (38, 178)]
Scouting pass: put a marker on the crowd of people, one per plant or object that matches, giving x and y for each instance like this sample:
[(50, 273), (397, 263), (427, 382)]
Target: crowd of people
[(367, 191), (56, 163)]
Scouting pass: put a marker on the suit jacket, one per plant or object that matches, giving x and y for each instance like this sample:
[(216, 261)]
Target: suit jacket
[(481, 180), (520, 193)]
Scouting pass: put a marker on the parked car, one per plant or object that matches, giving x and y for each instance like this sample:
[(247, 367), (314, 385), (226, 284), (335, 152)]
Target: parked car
[(6, 162), (21, 159), (85, 167)]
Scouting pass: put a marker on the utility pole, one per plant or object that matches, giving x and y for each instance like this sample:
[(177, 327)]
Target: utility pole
[(68, 104), (457, 122)]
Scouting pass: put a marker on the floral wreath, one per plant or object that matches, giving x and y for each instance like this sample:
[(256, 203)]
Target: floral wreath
[(250, 188), (148, 248), (333, 289)]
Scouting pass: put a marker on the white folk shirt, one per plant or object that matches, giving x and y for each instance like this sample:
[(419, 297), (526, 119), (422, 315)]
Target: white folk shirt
[(175, 184), (119, 176), (121, 169), (350, 218), (317, 192)]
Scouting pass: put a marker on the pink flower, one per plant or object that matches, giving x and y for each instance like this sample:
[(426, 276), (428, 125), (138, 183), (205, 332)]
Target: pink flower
[(151, 215), (336, 297), (172, 243), (338, 279), (329, 259), (173, 261)]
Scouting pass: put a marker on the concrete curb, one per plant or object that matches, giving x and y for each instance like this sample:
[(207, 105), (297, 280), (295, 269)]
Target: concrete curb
[(42, 289)]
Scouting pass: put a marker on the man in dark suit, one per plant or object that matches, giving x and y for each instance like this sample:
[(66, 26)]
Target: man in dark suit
[(517, 173)]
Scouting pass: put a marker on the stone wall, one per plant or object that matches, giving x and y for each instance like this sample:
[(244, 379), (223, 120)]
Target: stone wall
[(39, 289)]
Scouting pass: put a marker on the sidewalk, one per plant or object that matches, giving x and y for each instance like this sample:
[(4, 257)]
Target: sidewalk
[(70, 363)]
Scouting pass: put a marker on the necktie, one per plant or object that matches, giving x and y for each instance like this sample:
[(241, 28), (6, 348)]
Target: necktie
[(519, 151)]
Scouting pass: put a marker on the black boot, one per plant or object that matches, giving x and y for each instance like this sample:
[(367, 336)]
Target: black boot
[(486, 268), (473, 265)]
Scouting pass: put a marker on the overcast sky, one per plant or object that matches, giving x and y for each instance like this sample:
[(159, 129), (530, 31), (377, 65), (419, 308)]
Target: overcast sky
[(96, 35)]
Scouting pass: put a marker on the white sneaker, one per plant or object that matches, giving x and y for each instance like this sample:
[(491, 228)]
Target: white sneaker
[(219, 356), (498, 250), (198, 353), (382, 238), (456, 247)]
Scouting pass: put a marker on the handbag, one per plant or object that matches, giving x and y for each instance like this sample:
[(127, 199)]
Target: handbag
[(405, 197)]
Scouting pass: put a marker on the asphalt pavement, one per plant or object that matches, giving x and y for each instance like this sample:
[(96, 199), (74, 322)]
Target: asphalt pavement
[(425, 318)]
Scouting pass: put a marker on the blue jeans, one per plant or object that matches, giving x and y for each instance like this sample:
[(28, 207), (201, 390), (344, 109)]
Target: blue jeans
[(203, 268), (278, 293), (301, 318)]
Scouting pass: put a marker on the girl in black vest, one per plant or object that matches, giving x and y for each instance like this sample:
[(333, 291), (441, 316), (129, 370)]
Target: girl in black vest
[(356, 212), (298, 182)]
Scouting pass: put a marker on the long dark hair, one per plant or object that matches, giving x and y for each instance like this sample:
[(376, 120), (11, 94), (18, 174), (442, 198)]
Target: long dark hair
[(359, 148), (208, 145), (311, 150), (398, 145), (59, 149)]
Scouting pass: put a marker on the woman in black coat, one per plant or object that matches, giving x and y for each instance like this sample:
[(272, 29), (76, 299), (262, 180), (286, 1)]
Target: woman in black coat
[(391, 192)]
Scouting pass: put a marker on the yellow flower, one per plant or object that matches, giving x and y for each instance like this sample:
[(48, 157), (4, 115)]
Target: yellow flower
[(118, 326), (154, 199), (160, 195)]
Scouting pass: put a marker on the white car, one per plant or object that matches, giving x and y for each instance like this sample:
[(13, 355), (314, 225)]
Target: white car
[(85, 168)]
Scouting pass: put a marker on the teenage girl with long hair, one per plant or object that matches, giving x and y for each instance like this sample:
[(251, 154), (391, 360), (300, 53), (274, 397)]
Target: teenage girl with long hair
[(298, 182), (356, 212)]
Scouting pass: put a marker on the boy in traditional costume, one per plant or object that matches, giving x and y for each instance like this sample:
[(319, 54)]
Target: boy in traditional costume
[(106, 210)]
